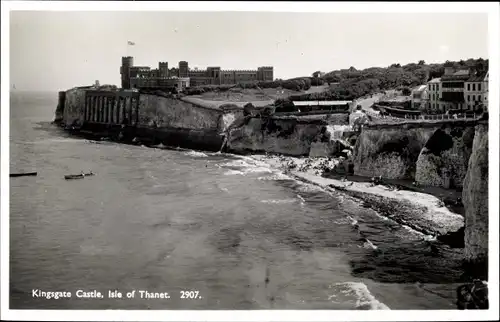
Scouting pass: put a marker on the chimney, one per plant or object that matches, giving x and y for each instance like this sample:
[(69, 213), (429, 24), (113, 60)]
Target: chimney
[(448, 70)]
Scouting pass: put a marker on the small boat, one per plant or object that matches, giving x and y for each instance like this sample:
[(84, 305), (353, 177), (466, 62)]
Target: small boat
[(78, 176), (23, 174), (74, 176)]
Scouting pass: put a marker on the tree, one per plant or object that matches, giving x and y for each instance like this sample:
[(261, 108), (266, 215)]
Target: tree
[(406, 91), (421, 62), (316, 74)]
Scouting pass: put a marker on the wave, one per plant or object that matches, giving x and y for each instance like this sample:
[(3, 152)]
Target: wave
[(233, 172), (369, 244), (159, 146), (358, 293), (279, 201), (353, 221), (48, 141), (276, 177), (196, 154), (244, 167)]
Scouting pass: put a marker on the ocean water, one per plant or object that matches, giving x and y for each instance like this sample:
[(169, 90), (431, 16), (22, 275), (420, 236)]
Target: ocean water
[(240, 234)]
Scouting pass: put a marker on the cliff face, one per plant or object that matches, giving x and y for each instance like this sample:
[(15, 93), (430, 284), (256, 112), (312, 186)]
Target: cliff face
[(390, 152), (275, 135), (475, 199), (444, 159), (60, 108), (286, 135), (74, 106), (430, 154), (161, 112)]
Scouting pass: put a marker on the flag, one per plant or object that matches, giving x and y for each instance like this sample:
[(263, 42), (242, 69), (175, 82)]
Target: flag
[(130, 43)]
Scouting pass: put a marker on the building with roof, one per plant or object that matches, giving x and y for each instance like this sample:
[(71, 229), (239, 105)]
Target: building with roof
[(434, 95), (475, 91), (452, 89), (307, 106), (419, 97), (182, 76), (463, 89)]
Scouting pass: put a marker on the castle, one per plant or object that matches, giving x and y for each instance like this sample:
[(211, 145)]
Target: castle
[(182, 77)]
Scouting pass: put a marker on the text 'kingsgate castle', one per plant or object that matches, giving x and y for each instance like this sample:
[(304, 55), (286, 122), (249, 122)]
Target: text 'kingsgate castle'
[(183, 77)]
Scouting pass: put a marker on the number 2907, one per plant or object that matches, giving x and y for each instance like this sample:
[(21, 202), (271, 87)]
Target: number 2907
[(190, 294)]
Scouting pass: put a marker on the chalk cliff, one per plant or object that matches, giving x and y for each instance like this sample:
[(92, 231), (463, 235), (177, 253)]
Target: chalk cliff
[(475, 199), (74, 105), (432, 154), (162, 112), (286, 135), (444, 159), (289, 136), (391, 152)]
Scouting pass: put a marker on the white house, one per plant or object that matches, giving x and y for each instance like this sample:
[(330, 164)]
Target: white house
[(419, 97), (475, 90), (433, 94)]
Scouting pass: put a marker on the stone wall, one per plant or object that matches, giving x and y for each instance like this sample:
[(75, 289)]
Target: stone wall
[(475, 199)]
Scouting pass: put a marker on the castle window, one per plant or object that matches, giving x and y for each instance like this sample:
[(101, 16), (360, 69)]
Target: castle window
[(468, 98), (479, 87), (468, 87), (474, 87)]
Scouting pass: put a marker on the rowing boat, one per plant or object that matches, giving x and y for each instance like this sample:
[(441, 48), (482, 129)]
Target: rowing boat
[(77, 176), (23, 174)]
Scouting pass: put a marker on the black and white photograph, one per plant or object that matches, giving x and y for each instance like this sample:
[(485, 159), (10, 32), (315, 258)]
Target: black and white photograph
[(249, 161)]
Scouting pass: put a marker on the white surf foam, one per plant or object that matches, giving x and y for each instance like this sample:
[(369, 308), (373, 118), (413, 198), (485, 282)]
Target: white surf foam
[(275, 177), (160, 146), (278, 201), (358, 294), (196, 154), (369, 244), (233, 172)]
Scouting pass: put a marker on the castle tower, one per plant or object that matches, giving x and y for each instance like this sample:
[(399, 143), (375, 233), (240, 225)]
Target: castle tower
[(265, 73), (163, 68), (127, 62), (183, 69)]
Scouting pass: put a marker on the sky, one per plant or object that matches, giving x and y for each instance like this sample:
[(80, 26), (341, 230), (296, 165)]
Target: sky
[(56, 50)]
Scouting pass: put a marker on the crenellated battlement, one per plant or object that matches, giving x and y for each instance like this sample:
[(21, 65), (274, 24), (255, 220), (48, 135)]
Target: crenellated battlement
[(211, 75), (239, 71)]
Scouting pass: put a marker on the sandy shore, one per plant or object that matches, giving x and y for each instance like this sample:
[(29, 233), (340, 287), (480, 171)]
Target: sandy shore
[(421, 212)]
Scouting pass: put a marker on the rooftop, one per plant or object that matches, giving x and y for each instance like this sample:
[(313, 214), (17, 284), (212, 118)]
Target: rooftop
[(320, 103), (462, 74), (420, 88), (479, 77)]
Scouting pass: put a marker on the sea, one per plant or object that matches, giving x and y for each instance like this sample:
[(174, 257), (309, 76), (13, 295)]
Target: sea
[(202, 230)]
